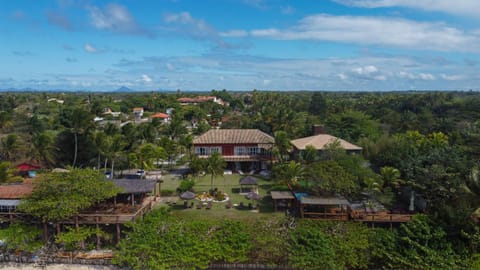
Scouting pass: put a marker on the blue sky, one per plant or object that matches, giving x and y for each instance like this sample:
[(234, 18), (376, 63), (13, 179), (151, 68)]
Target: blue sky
[(240, 44)]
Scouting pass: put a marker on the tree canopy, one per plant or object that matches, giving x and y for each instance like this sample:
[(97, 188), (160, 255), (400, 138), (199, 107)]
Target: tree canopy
[(58, 196)]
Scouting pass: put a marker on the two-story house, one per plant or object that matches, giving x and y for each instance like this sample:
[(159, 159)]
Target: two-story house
[(242, 149)]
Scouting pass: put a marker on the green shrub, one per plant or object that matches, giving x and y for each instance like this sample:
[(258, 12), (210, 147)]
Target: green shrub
[(186, 185), (167, 192)]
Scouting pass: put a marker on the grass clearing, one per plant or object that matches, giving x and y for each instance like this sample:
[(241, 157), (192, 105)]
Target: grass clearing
[(230, 185)]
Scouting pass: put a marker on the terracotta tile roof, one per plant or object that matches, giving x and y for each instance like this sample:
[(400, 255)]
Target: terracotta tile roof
[(234, 136), (137, 109), (15, 191), (320, 141), (159, 115), (27, 167)]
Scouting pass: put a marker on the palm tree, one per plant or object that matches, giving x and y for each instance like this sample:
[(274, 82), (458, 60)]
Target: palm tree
[(42, 147), (146, 155), (78, 121), (197, 165), (6, 120), (310, 154), (282, 145), (116, 148), (215, 166), (288, 173), (9, 147), (390, 176)]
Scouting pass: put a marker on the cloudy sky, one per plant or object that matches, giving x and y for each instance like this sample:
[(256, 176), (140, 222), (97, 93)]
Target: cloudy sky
[(240, 44)]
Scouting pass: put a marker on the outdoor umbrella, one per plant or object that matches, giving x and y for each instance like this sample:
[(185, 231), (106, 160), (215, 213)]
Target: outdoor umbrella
[(188, 195)]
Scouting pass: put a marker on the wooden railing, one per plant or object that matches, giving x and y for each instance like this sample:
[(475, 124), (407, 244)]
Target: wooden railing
[(383, 217), (326, 216), (94, 218)]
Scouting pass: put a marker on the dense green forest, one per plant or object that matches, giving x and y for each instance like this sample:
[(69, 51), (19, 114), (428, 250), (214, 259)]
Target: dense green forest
[(422, 143)]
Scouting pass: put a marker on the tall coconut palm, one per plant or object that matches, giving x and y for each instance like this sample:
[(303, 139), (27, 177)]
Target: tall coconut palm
[(282, 145), (6, 120), (42, 147), (288, 173), (9, 146), (390, 176), (77, 120), (116, 147), (310, 154), (215, 166)]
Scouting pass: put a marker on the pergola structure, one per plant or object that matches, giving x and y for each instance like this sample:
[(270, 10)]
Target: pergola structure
[(282, 199), (134, 190), (249, 182), (329, 208)]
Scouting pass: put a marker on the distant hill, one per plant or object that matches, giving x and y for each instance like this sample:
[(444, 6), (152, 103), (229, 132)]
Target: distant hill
[(124, 89)]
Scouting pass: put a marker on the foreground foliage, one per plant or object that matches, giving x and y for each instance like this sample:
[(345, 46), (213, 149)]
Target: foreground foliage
[(162, 241)]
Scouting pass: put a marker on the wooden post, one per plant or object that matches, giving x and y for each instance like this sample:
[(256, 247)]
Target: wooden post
[(275, 205), (118, 232), (115, 201), (45, 232), (133, 199), (97, 235), (301, 211)]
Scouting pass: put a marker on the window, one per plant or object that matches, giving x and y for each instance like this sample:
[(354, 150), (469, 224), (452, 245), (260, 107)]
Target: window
[(202, 151), (216, 149), (240, 151), (253, 151)]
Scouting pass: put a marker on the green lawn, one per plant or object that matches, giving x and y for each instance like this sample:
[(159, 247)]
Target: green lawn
[(230, 185)]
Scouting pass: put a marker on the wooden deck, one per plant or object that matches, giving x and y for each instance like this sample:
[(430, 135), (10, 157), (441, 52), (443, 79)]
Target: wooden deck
[(117, 218), (383, 218), (326, 216), (96, 218)]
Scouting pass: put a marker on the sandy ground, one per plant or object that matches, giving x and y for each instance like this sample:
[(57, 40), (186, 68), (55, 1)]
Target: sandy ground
[(12, 266)]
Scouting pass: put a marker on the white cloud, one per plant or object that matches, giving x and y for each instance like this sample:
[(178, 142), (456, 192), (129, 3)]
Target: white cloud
[(459, 7), (115, 18), (376, 31), (234, 33), (367, 70), (419, 76), (452, 77), (189, 25), (146, 78), (90, 48)]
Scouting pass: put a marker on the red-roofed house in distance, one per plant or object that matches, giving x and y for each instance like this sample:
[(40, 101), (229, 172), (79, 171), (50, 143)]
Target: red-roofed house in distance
[(199, 99), (163, 117), (26, 169), (243, 149), (138, 113)]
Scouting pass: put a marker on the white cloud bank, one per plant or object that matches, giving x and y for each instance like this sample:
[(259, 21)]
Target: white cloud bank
[(381, 31), (458, 7)]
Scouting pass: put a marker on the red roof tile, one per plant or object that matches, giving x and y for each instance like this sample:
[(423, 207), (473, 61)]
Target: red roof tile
[(27, 167), (159, 115), (15, 191)]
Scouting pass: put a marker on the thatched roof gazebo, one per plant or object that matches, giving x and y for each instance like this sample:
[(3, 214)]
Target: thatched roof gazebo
[(249, 182), (187, 195), (253, 196)]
